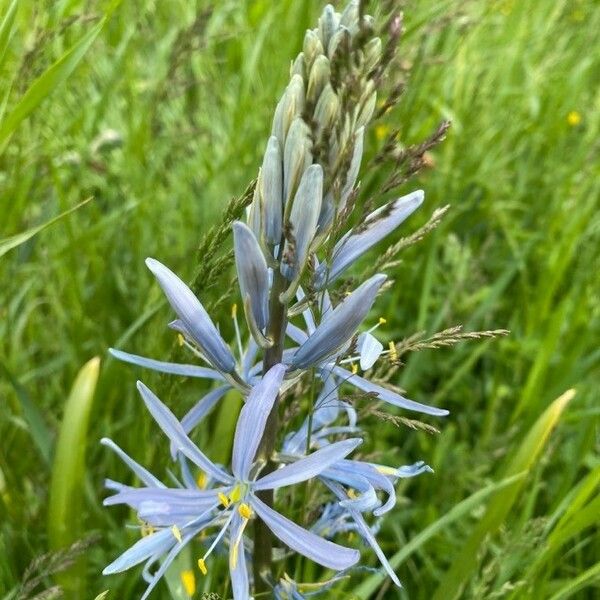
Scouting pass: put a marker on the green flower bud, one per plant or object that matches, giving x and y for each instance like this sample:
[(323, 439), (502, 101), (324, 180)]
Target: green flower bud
[(327, 108), (312, 46), (297, 156), (290, 106), (372, 54), (318, 78)]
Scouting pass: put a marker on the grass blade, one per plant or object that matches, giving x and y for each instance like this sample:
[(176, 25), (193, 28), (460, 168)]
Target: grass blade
[(47, 83), (574, 585), (40, 433), (9, 243), (6, 29), (369, 586), (525, 457), (66, 487)]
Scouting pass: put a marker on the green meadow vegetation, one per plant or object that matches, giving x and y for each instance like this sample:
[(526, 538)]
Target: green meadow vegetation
[(138, 121)]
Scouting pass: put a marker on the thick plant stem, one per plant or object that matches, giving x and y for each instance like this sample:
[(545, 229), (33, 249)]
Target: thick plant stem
[(263, 539)]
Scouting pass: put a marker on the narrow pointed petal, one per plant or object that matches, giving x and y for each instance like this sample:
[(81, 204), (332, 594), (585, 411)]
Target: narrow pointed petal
[(144, 475), (194, 317), (303, 219), (367, 534), (308, 467), (168, 422), (166, 367), (157, 543), (387, 395), (200, 410), (323, 552), (252, 420), (354, 168), (339, 327), (166, 563), (253, 275), (377, 225), (272, 191), (370, 349), (238, 569), (296, 156), (412, 470)]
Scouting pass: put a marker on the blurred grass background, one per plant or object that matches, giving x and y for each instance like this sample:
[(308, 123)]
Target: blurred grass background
[(161, 114)]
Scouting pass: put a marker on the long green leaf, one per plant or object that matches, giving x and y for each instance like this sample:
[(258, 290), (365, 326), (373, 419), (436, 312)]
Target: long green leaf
[(68, 469), (47, 83), (525, 457), (6, 28), (574, 585), (13, 241), (38, 429), (370, 586)]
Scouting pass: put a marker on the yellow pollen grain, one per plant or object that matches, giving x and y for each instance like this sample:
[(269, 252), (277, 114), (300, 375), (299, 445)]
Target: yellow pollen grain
[(201, 480), (574, 118), (382, 321), (146, 529), (393, 352), (188, 579), (236, 494), (224, 500), (202, 566), (352, 494), (354, 368), (180, 339), (245, 511), (176, 533)]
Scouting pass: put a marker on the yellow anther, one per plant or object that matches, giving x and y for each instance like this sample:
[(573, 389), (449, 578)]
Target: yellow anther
[(354, 368), (352, 494), (574, 118), (180, 339), (146, 529), (202, 480), (234, 311), (245, 511), (224, 500), (176, 533), (188, 579), (382, 321), (386, 470), (393, 352), (202, 566), (236, 494)]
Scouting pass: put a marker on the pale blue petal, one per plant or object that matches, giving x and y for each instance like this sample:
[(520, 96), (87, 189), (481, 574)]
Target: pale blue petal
[(249, 358), (272, 191), (307, 467), (194, 317), (387, 395), (370, 349), (239, 573), (166, 367), (303, 219), (367, 534), (296, 334), (253, 275), (200, 410), (306, 314), (171, 556), (144, 475), (353, 169), (412, 470), (168, 422), (366, 500), (377, 225), (156, 543), (323, 552), (339, 327), (252, 420)]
